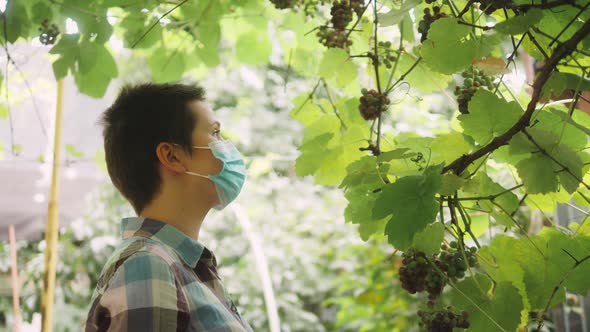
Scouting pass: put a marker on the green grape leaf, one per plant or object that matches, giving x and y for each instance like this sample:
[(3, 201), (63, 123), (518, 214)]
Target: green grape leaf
[(338, 66), (94, 83), (486, 312), (304, 110), (448, 147), (489, 116), (558, 82), (537, 174), (135, 32), (429, 239), (312, 154), (359, 184), (88, 56), (520, 23), (406, 27), (411, 201), (166, 65), (395, 16), (445, 37), (253, 48), (421, 78), (17, 22), (450, 184), (482, 185)]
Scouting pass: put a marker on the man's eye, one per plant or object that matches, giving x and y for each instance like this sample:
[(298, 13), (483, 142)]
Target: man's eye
[(217, 132)]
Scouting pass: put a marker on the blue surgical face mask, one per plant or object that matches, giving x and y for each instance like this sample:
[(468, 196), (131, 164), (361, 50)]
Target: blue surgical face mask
[(230, 180)]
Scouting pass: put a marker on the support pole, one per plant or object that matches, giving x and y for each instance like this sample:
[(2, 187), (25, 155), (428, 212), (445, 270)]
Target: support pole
[(14, 278), (51, 233), (261, 263)]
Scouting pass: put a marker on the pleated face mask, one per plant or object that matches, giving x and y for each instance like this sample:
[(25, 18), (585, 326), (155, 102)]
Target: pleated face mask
[(230, 180)]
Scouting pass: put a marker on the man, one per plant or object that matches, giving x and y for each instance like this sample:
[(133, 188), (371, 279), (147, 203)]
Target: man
[(165, 154)]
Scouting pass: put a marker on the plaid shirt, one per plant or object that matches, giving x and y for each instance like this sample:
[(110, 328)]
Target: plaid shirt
[(159, 279)]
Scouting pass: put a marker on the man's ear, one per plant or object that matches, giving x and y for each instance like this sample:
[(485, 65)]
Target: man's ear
[(171, 157)]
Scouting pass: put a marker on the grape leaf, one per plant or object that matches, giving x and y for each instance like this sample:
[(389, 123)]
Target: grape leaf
[(489, 116), (502, 307), (537, 174), (166, 65), (395, 16), (253, 48), (421, 77), (337, 66), (558, 82), (95, 82), (448, 147), (445, 37), (519, 23), (411, 201), (429, 239)]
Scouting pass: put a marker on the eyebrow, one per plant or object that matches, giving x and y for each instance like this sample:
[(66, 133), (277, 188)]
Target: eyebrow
[(216, 123)]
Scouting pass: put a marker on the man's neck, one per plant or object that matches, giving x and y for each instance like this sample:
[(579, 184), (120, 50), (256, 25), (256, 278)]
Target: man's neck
[(187, 218)]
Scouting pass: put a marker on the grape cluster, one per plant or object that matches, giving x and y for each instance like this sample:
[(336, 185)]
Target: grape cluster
[(358, 6), (341, 11), (417, 275), (284, 4), (372, 104), (452, 262), (341, 14), (490, 6), (387, 55), (49, 33), (333, 38), (473, 79), (428, 19), (444, 320)]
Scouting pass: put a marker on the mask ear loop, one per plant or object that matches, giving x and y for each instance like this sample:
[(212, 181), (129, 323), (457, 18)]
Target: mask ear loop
[(193, 173)]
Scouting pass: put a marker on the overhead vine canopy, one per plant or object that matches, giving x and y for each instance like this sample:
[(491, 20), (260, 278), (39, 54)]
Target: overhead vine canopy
[(430, 194)]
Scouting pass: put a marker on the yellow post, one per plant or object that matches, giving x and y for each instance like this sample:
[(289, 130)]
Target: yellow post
[(51, 233)]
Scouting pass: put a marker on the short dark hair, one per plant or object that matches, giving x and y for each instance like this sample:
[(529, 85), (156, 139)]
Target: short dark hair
[(141, 117)]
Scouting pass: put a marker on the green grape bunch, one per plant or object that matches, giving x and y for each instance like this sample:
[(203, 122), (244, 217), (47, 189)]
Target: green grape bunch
[(473, 79), (372, 104), (428, 19), (387, 55), (333, 38), (444, 320)]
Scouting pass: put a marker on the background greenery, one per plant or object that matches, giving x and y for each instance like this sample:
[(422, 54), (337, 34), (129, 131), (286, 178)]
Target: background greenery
[(430, 169)]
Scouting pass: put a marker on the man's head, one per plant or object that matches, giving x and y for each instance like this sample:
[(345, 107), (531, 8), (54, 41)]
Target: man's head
[(149, 132)]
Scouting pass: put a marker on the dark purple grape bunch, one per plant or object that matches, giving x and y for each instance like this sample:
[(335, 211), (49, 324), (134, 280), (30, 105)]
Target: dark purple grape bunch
[(372, 104), (429, 18), (341, 14), (49, 32), (443, 320)]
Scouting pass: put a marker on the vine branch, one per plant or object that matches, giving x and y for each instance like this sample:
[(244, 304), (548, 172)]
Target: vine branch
[(563, 50)]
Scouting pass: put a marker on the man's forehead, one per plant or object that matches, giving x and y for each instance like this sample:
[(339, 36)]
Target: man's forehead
[(204, 114)]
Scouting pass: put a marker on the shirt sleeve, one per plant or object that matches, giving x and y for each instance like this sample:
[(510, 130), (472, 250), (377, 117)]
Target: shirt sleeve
[(142, 295)]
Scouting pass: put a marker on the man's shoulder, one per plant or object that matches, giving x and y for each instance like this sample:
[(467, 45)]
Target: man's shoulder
[(136, 249)]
